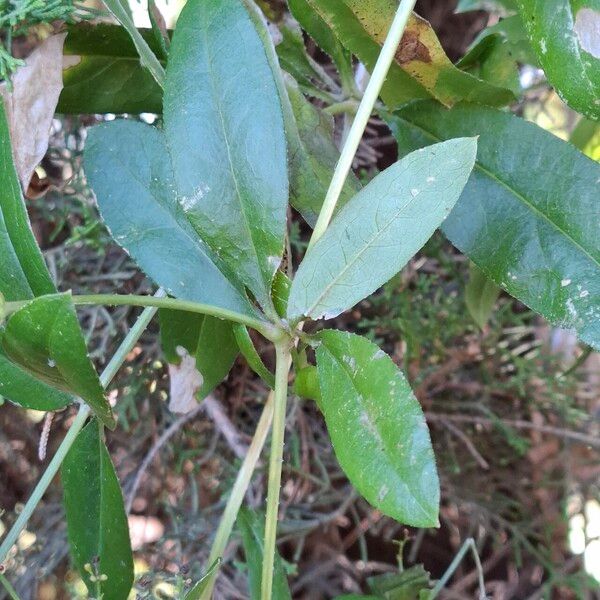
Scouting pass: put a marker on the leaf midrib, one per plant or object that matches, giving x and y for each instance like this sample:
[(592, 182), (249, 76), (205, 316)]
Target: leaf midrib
[(534, 209), (216, 99)]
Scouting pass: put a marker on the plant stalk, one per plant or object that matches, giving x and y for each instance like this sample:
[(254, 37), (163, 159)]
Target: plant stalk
[(10, 590), (107, 375), (262, 326), (238, 491), (362, 118), (283, 363)]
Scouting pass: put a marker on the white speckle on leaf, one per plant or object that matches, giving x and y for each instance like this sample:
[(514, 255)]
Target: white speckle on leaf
[(379, 354), (331, 313), (415, 192), (571, 309), (51, 363), (351, 362), (274, 262), (565, 282), (587, 28), (188, 202), (430, 179), (584, 294), (383, 492), (543, 46)]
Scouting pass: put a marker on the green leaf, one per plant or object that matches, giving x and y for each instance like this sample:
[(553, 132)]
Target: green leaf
[(23, 275), (19, 387), (202, 584), (421, 69), (44, 339), (313, 156), (282, 285), (246, 346), (496, 6), (293, 57), (380, 229), (320, 32), (128, 167), (120, 9), (512, 32), (109, 78), (209, 340), (480, 296), (406, 585), (224, 129), (96, 520), (106, 76), (492, 60), (526, 215), (306, 384), (356, 597), (497, 51), (564, 35), (377, 429), (251, 525), (159, 31)]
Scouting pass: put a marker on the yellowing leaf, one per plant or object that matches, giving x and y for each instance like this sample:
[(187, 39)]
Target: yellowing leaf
[(421, 67)]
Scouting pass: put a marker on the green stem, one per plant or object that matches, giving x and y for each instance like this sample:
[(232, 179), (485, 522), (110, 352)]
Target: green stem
[(147, 57), (362, 118), (246, 346), (282, 370), (238, 491), (262, 326), (468, 544), (346, 106), (10, 590), (40, 489)]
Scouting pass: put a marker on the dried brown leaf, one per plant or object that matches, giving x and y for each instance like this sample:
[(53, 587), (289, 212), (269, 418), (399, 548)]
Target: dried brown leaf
[(30, 105), (185, 381)]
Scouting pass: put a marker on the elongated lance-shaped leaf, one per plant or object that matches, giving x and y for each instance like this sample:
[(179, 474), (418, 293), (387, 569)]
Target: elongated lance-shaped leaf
[(23, 275), (251, 525), (380, 229), (96, 520), (421, 69), (377, 428), (528, 217), (313, 156), (565, 36), (44, 339), (321, 33), (128, 166), (225, 133)]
